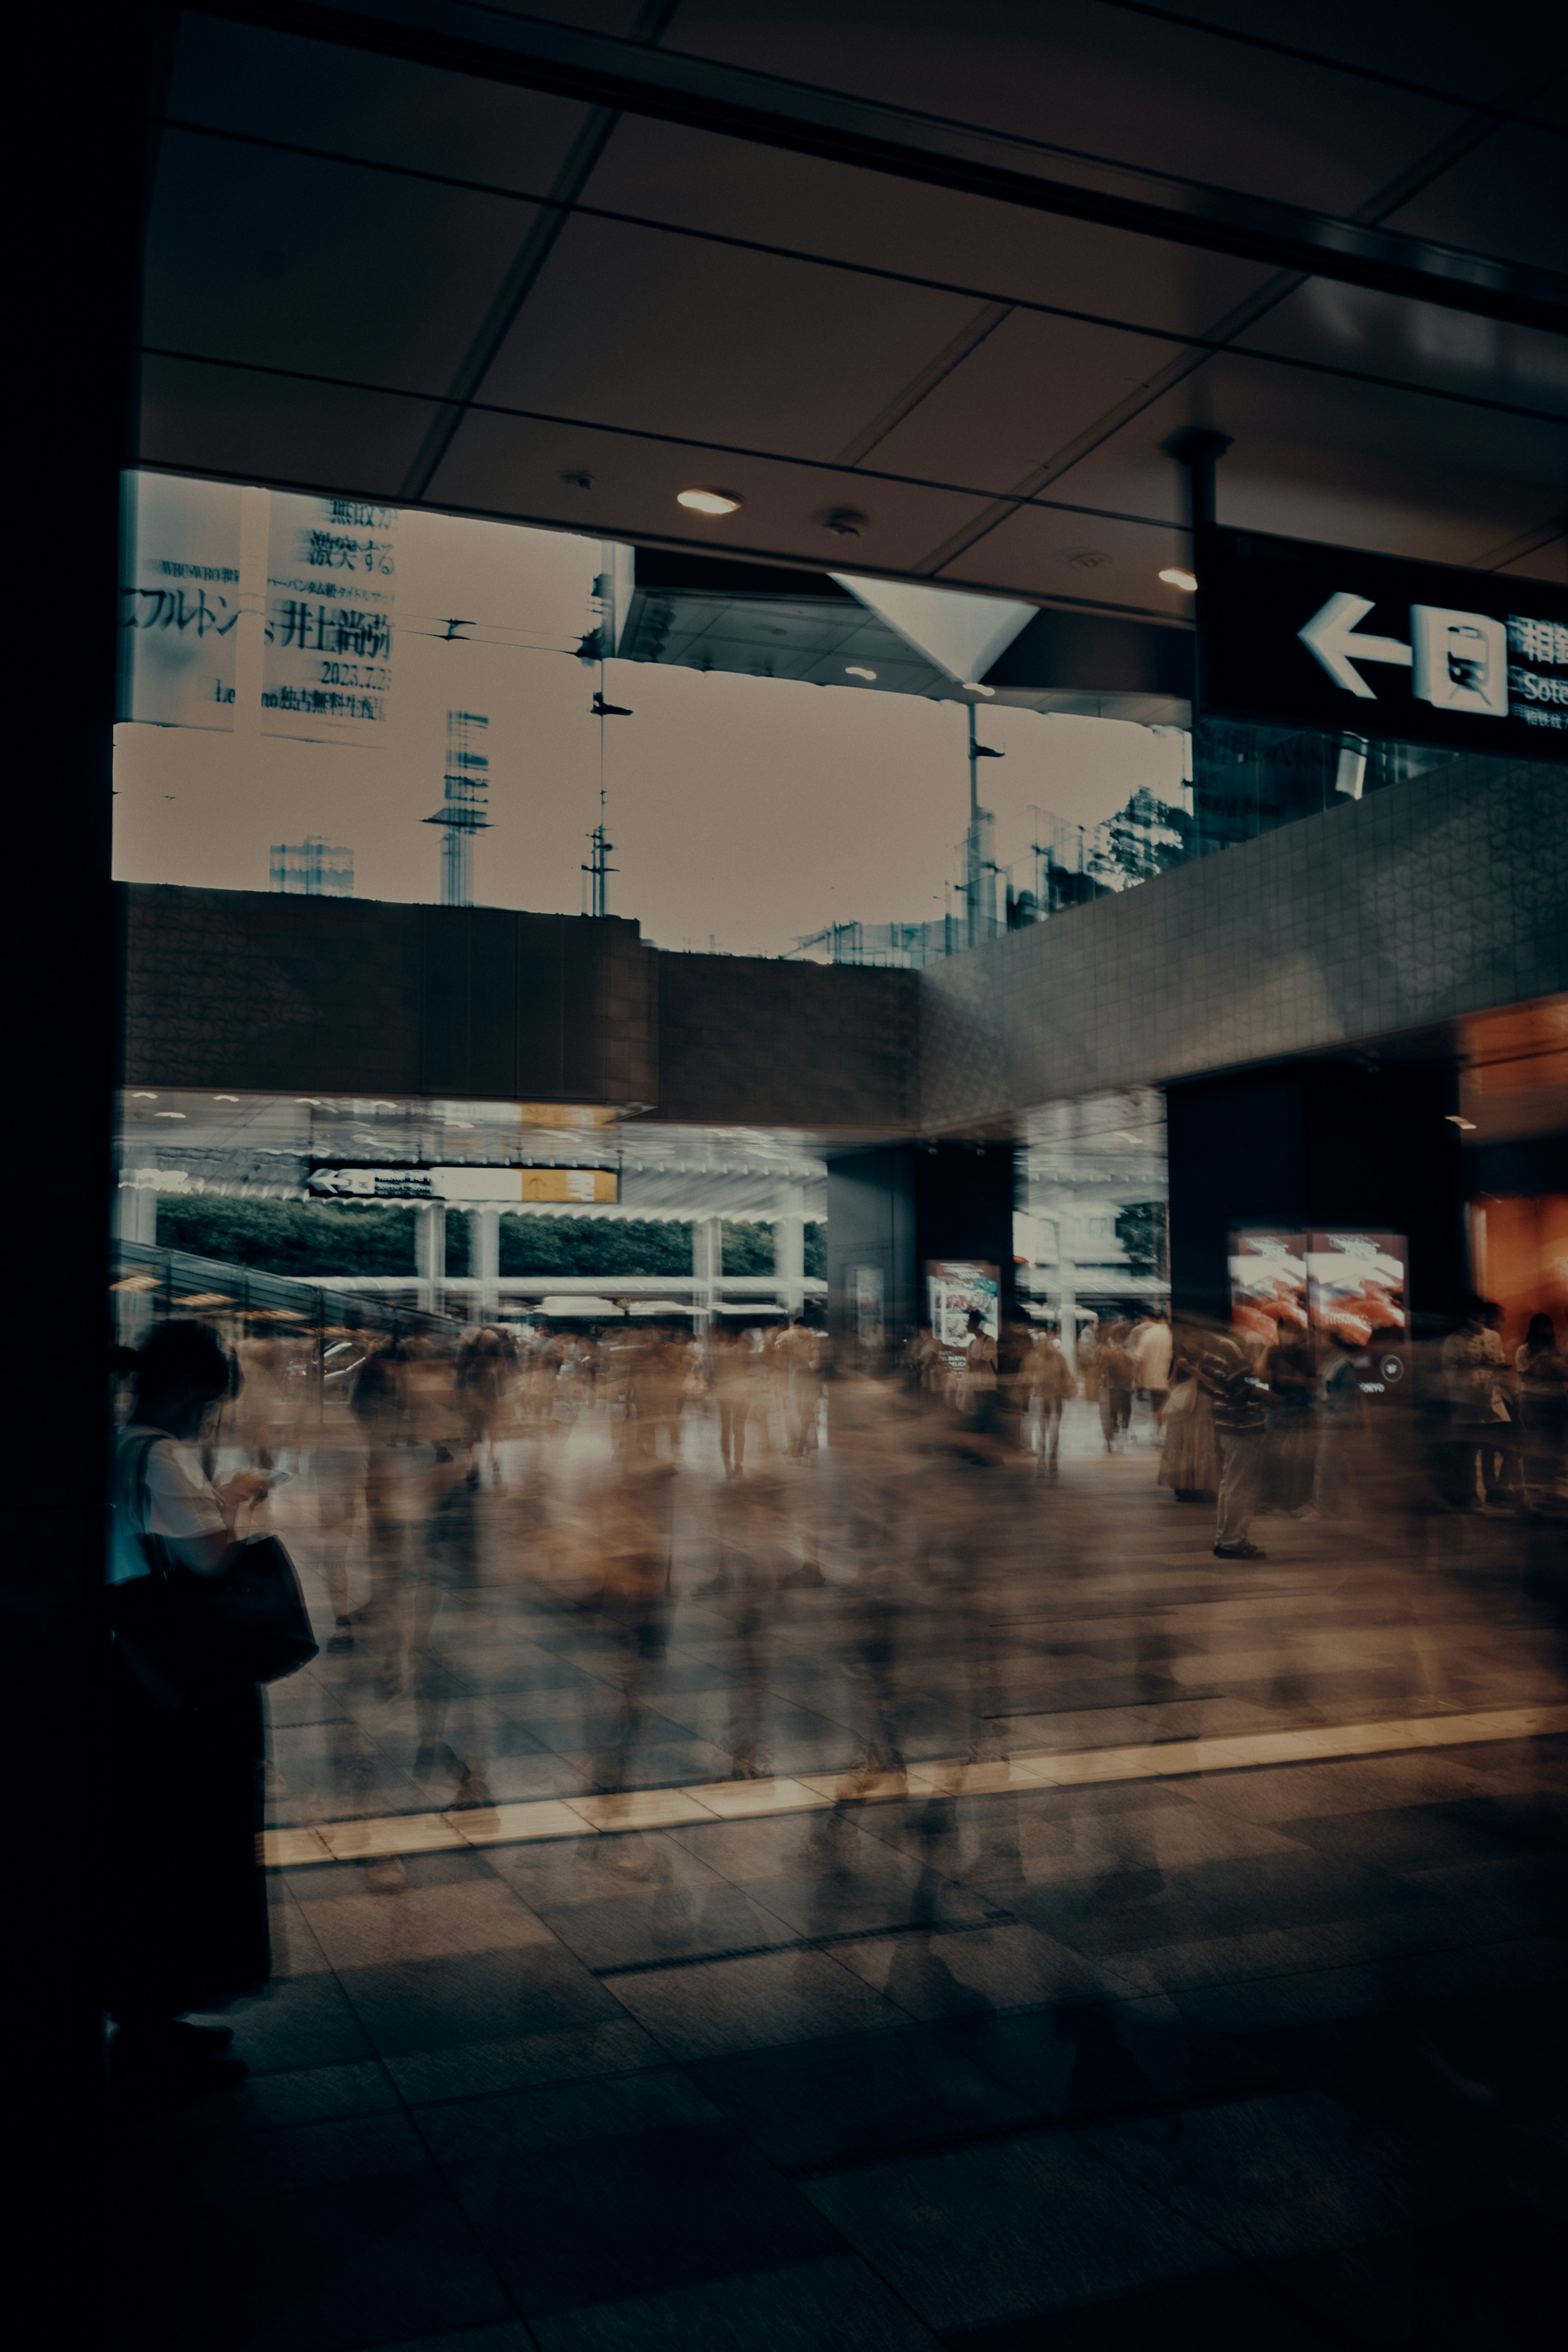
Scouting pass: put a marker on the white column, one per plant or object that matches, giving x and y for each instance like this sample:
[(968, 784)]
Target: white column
[(484, 1261), (430, 1253), (135, 1213), (789, 1250), (708, 1267), (133, 1217)]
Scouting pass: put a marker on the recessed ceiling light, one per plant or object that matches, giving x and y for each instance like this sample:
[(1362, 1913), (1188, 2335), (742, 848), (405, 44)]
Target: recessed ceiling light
[(226, 1097), (709, 502), (1177, 578), (1455, 1120), (144, 1098), (168, 1114), (973, 686), (855, 669)]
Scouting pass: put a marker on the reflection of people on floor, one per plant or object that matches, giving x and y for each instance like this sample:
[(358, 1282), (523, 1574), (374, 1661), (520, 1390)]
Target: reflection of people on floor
[(1189, 1459), (1290, 1461), (1239, 1404)]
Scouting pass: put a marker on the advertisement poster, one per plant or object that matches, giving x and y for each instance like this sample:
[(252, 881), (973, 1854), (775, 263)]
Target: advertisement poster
[(1267, 1284), (955, 1289), (331, 580), (179, 601), (1356, 1285)]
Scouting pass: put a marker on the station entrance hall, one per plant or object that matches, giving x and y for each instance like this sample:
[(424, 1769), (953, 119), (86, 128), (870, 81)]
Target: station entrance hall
[(791, 1049)]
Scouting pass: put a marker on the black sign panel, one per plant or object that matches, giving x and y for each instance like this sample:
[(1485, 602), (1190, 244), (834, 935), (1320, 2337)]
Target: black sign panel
[(1294, 634)]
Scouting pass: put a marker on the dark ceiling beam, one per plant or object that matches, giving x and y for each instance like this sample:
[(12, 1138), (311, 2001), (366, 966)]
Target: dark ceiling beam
[(594, 69)]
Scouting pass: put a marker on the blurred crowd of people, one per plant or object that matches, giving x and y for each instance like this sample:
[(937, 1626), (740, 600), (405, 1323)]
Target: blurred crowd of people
[(620, 1474)]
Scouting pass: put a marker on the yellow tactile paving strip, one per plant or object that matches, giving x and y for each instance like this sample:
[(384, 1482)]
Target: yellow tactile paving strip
[(727, 1800)]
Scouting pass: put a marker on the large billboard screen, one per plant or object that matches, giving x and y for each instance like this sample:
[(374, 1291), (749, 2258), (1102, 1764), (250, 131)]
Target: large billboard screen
[(1291, 633)]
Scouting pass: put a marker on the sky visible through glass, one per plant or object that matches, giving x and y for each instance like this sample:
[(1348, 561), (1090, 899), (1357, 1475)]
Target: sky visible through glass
[(745, 813)]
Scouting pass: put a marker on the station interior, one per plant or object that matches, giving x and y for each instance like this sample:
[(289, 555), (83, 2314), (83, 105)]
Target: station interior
[(911, 1416)]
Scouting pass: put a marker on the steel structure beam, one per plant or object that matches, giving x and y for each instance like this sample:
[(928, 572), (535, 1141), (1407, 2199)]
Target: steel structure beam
[(596, 69)]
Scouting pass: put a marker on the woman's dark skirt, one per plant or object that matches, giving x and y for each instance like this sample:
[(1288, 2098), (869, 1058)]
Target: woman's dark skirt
[(188, 1911)]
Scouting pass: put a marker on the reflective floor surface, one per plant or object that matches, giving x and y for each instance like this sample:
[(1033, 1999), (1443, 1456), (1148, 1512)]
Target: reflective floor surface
[(884, 1945)]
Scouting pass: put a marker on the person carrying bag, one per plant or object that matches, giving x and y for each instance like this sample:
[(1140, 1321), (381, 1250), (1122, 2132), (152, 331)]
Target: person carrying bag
[(198, 1618), (194, 1637)]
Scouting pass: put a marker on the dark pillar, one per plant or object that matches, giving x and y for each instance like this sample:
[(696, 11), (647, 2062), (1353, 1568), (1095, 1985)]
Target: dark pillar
[(895, 1207), (79, 153), (872, 1224), (1317, 1144)]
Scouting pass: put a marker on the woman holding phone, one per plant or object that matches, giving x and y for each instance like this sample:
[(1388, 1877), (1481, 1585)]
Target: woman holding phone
[(187, 1905)]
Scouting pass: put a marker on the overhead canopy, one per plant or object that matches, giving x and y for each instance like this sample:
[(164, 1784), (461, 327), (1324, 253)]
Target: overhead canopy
[(929, 295)]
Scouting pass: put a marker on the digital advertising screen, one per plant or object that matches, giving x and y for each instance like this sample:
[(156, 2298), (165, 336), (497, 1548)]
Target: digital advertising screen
[(1268, 1283), (1356, 1288)]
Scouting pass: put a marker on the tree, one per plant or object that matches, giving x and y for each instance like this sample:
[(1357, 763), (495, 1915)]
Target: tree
[(1141, 1230), (299, 1237)]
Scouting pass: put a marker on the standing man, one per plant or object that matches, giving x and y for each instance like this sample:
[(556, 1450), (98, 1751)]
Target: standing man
[(1240, 1404), (1152, 1361)]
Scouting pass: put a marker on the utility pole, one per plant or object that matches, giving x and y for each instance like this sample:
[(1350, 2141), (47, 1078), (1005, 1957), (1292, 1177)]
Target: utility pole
[(598, 868), (979, 848)]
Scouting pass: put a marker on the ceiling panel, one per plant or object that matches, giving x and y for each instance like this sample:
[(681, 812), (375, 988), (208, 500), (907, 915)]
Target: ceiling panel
[(699, 181), (629, 326), (1027, 388), (1314, 459), (323, 266), (1485, 359), (1079, 559), (273, 86), (1095, 79), (265, 428), (1448, 43), (513, 468), (1509, 197)]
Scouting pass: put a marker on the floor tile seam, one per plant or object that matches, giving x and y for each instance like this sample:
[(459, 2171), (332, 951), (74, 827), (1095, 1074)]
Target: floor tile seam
[(1042, 2125), (1039, 1759), (1423, 1951), (406, 2109), (823, 1943)]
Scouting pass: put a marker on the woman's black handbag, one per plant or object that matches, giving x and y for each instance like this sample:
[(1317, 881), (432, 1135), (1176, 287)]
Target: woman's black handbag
[(194, 1639)]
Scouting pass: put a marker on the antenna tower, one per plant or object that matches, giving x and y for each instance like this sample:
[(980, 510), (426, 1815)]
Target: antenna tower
[(462, 812)]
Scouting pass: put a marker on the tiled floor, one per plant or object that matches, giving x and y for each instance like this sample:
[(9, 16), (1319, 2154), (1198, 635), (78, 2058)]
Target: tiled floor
[(1133, 2032)]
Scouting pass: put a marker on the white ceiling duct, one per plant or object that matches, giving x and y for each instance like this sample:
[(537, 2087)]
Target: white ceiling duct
[(963, 635)]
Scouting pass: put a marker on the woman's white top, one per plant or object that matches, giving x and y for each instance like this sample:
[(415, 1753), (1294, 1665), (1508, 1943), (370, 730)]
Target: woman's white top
[(182, 1502)]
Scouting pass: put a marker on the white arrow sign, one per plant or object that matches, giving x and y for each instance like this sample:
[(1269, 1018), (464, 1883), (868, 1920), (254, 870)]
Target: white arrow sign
[(1330, 635)]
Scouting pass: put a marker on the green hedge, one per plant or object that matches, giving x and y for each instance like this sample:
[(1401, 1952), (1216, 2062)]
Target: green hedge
[(300, 1237), (308, 1237)]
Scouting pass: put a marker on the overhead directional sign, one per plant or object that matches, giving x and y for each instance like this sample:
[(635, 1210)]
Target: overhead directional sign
[(1295, 634)]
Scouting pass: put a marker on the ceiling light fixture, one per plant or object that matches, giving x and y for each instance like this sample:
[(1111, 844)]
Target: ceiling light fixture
[(226, 1097), (1454, 1120), (856, 669), (1177, 578), (709, 502), (144, 1098), (168, 1114)]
